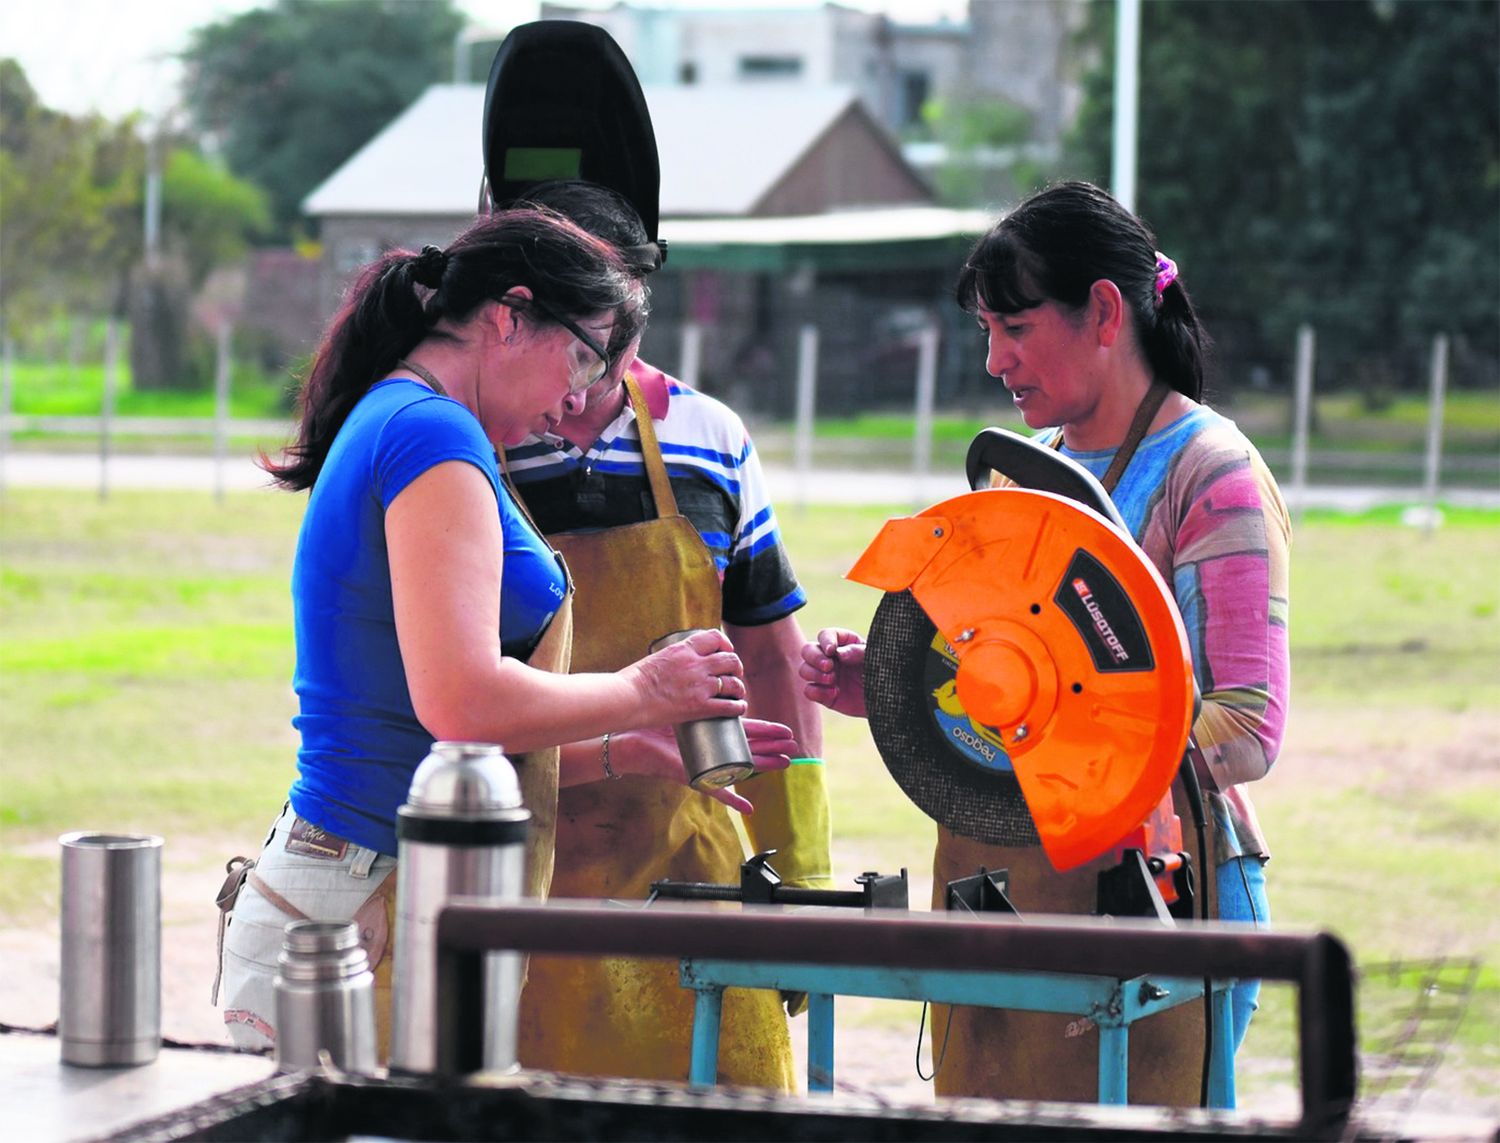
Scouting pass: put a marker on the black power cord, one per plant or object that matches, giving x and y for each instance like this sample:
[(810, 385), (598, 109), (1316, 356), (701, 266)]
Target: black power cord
[(1194, 789)]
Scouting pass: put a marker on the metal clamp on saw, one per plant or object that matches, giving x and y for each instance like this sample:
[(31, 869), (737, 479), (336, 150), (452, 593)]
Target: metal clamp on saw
[(1028, 677), (760, 884)]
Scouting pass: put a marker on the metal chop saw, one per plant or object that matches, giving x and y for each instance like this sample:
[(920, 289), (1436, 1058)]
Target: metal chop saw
[(1029, 680)]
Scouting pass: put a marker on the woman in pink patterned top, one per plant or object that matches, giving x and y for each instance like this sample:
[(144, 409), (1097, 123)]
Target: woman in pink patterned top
[(1089, 327)]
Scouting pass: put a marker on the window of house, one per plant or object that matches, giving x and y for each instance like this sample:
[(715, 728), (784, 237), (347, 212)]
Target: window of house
[(916, 88), (770, 67)]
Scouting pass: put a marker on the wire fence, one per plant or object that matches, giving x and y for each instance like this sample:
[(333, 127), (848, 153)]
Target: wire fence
[(1416, 469)]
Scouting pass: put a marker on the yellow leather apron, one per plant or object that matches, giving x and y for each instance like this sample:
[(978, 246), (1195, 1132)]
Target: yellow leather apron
[(537, 769), (615, 1016)]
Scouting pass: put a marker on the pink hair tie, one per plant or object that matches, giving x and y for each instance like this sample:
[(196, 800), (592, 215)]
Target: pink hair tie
[(1166, 274)]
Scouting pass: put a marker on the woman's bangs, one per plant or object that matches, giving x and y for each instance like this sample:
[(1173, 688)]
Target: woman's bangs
[(1004, 286), (995, 279)]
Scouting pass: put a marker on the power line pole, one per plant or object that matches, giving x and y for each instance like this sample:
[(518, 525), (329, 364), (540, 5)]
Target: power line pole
[(1127, 87)]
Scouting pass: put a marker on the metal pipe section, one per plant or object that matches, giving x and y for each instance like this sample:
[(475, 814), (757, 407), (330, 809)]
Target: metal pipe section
[(936, 940), (1318, 963)]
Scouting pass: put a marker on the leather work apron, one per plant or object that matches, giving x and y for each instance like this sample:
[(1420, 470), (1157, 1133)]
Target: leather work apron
[(537, 770), (615, 1016), (998, 1053)]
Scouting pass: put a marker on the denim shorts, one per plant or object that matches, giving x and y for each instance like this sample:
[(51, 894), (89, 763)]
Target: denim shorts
[(327, 880)]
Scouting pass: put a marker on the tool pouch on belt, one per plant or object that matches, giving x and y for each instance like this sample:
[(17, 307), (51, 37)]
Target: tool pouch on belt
[(371, 917), (236, 872)]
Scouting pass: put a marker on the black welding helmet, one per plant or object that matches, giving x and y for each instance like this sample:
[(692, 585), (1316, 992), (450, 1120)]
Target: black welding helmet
[(564, 103)]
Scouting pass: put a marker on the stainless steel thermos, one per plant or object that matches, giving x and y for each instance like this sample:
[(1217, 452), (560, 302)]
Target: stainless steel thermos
[(109, 1014), (715, 751), (462, 832), (325, 999)]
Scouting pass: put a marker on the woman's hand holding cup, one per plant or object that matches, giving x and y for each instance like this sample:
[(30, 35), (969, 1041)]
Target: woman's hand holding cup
[(697, 676)]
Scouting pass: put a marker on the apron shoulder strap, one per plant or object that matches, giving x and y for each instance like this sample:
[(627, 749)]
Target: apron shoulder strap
[(656, 467), (1145, 412)]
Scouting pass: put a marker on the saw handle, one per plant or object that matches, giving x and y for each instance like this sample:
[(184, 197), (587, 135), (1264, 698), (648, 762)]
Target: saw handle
[(1031, 465)]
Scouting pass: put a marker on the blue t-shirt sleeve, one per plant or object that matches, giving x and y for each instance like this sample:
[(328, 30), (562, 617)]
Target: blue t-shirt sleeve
[(423, 435), (433, 430)]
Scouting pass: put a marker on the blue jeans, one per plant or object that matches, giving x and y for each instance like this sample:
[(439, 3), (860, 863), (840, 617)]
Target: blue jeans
[(1242, 897)]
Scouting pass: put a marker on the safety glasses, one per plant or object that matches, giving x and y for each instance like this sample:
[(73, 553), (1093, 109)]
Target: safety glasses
[(587, 369)]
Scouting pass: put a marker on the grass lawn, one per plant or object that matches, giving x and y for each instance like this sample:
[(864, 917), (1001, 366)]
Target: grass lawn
[(145, 659)]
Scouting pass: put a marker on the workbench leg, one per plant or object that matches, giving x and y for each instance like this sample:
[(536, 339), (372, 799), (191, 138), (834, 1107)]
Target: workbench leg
[(708, 1006), (819, 1041), (1221, 1091), (1114, 1063)]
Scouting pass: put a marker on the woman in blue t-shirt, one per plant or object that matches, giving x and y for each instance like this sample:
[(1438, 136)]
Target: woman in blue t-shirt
[(427, 607)]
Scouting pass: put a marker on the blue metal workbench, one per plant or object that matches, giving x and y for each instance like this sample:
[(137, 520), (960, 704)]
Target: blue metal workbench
[(1113, 1004)]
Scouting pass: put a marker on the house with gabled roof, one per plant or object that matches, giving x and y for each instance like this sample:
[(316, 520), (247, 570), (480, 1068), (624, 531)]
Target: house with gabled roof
[(748, 173)]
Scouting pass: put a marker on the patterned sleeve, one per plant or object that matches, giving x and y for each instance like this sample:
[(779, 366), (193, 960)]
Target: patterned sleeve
[(1230, 574)]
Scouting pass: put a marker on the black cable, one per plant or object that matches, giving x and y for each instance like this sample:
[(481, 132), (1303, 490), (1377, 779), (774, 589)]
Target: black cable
[(937, 1064), (1194, 790)]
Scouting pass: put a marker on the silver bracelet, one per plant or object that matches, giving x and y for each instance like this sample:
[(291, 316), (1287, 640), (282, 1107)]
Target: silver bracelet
[(604, 757)]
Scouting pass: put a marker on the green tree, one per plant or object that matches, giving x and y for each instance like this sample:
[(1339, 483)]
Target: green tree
[(64, 182), (210, 216), (208, 220), (293, 90), (975, 132), (1329, 161), (72, 191)]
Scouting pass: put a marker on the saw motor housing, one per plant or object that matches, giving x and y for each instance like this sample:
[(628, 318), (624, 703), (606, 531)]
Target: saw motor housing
[(1073, 668)]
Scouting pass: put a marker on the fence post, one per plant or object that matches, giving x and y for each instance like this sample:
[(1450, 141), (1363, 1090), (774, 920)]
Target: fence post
[(7, 400), (692, 354), (221, 408), (1431, 517), (927, 355), (807, 400), (77, 332), (1301, 415), (107, 410)]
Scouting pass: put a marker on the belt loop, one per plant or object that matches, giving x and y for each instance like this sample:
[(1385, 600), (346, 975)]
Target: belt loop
[(363, 859)]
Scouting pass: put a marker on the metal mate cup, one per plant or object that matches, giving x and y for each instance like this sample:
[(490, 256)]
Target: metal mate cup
[(715, 751), (109, 1012)]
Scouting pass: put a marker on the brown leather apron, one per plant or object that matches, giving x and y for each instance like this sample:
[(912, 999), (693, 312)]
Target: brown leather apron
[(614, 1016), (1004, 1054)]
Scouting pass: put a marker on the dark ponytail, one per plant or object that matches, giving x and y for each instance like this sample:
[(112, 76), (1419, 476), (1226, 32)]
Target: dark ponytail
[(1062, 240), (400, 299)]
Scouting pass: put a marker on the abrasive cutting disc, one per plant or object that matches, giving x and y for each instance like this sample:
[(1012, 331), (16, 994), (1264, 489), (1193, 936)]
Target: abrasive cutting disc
[(1027, 674), (954, 769)]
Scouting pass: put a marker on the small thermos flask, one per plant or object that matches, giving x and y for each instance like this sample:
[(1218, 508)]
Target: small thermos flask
[(715, 751), (461, 833), (325, 999), (109, 1012)]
